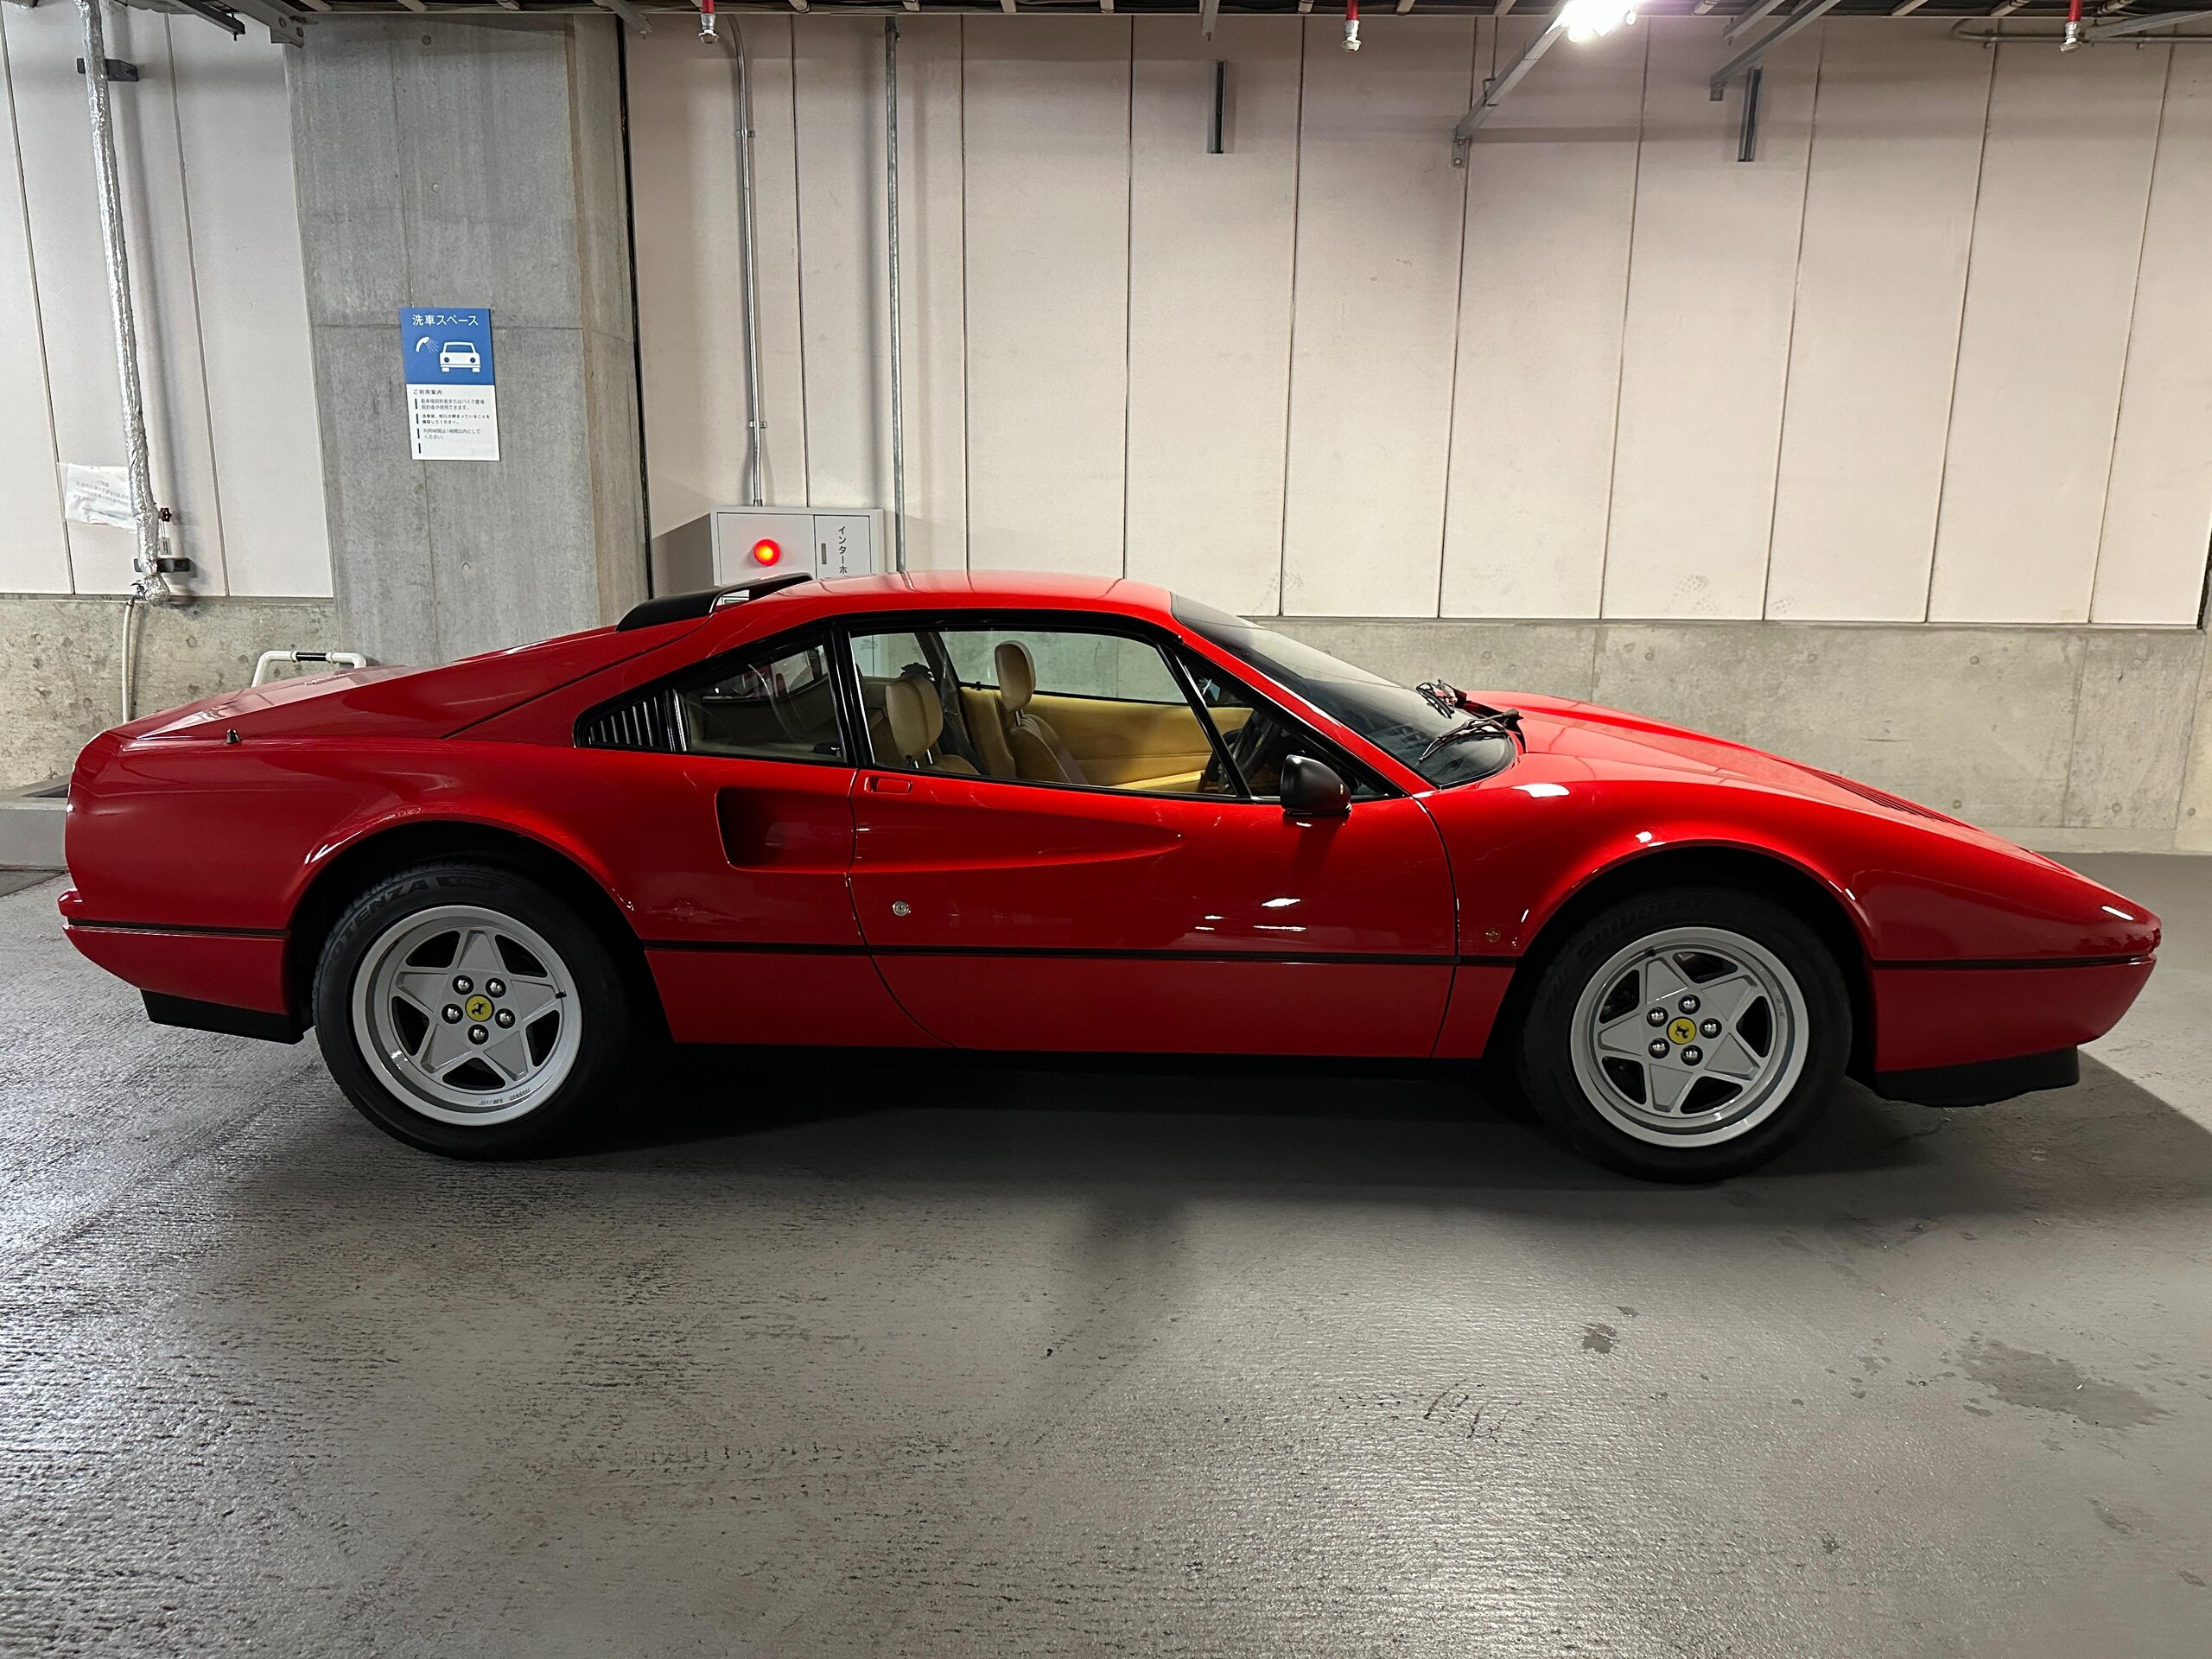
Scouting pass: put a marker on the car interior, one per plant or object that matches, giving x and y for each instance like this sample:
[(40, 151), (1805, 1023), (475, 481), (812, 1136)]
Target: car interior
[(1083, 708), (1089, 709)]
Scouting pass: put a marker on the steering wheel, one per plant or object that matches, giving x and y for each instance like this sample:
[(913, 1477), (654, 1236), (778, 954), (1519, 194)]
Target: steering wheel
[(1243, 745)]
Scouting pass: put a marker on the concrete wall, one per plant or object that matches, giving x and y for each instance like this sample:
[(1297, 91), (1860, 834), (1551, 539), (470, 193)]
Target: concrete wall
[(2069, 737), (60, 674), (474, 163)]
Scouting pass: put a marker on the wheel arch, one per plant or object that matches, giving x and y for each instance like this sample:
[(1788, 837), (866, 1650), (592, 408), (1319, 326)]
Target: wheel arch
[(1748, 869), (362, 864)]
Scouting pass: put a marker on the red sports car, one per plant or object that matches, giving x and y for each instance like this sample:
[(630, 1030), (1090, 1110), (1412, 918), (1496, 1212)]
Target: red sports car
[(1038, 813)]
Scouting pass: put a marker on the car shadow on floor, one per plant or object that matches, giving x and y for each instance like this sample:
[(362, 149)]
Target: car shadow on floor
[(2107, 1145)]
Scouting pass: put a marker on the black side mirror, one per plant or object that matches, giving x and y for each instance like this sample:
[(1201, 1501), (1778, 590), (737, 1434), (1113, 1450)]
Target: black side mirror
[(1312, 790)]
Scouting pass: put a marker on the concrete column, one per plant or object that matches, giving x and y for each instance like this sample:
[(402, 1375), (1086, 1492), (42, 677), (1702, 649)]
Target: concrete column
[(471, 164)]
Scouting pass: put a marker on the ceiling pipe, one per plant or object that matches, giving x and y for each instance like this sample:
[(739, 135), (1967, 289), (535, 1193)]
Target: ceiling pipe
[(2138, 25)]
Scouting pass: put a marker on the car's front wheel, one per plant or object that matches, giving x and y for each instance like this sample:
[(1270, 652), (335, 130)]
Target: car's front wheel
[(470, 1011), (1687, 1034)]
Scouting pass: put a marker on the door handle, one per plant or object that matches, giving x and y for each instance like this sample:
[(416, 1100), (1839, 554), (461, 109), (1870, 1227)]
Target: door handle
[(889, 783)]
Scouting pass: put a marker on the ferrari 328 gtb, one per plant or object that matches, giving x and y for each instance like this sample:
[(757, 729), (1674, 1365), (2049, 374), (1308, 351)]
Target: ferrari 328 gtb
[(1035, 813)]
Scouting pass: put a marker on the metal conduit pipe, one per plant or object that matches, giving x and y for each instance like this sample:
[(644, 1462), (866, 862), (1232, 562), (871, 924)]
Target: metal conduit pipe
[(898, 351), (148, 583), (749, 274)]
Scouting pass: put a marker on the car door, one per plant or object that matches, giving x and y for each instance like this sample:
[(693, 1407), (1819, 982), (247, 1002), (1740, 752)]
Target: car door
[(1147, 903), (728, 809)]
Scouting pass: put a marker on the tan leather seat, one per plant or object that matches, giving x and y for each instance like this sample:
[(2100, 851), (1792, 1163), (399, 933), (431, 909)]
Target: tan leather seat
[(1039, 757), (917, 722)]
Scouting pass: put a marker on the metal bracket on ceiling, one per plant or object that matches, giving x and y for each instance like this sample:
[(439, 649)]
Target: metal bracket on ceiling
[(1494, 89), (226, 21), (281, 22), (1751, 54)]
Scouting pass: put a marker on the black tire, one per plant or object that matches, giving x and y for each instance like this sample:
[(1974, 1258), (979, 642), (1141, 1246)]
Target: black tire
[(1569, 1110), (606, 1023)]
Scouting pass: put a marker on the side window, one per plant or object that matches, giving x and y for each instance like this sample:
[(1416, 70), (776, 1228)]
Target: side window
[(775, 708), (1110, 665), (1030, 705), (776, 702), (1260, 737)]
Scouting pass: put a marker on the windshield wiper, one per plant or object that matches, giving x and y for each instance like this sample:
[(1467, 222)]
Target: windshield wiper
[(1440, 695), (1482, 720)]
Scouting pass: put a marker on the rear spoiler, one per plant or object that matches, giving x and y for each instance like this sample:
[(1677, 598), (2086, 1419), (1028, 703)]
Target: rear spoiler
[(689, 607)]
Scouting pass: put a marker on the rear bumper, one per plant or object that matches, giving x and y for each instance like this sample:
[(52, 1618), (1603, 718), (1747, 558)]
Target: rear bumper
[(243, 971), (1940, 1016)]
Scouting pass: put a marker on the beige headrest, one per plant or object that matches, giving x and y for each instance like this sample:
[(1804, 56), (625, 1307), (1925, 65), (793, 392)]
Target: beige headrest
[(917, 718), (1017, 674)]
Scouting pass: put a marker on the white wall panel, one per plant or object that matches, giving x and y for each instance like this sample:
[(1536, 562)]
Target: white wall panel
[(1048, 253), (837, 88), (1881, 280), (1211, 239), (1551, 183), (775, 217), (249, 296), (1711, 283), (33, 550), (64, 216), (2158, 515), (1381, 212), (934, 300), (1096, 350), (2057, 235), (683, 166)]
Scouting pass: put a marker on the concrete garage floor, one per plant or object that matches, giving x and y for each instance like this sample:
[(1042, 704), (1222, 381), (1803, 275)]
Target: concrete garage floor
[(979, 1362)]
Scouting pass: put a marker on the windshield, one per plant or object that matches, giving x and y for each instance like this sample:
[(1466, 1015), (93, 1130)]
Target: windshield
[(1398, 720)]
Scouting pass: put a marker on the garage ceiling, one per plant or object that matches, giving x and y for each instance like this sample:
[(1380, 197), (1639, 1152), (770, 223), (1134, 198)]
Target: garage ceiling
[(309, 10)]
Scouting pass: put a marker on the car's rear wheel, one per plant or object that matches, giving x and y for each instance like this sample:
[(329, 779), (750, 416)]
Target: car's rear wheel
[(1689, 1034), (469, 1011)]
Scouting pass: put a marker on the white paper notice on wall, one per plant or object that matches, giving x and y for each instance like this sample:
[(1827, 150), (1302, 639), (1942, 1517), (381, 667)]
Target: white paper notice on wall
[(453, 402), (96, 495)]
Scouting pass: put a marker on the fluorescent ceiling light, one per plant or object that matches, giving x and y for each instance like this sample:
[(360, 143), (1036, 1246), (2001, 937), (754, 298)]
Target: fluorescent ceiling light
[(1587, 19)]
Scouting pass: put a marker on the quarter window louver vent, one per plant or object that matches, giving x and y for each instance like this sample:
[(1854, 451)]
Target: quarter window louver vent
[(645, 720)]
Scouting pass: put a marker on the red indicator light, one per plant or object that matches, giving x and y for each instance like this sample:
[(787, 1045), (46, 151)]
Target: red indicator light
[(766, 552)]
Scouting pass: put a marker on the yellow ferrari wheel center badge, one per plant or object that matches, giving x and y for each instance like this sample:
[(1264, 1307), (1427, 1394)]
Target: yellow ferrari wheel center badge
[(479, 1009), (1682, 1030)]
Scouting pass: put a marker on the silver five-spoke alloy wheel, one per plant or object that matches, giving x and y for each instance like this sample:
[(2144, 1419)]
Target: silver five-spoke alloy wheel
[(1690, 1036), (467, 1015)]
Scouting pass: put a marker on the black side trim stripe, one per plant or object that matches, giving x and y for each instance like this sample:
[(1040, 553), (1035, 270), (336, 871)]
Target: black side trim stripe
[(747, 947), (2013, 962), (1335, 958), (168, 927)]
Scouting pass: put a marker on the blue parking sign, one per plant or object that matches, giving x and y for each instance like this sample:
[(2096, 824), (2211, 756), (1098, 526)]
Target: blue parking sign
[(446, 345), (453, 406)]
